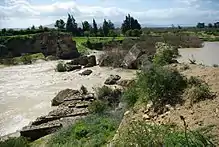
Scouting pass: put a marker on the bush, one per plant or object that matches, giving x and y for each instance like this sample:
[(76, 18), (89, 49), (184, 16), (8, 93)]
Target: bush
[(107, 96), (198, 90), (131, 95), (161, 86), (93, 131), (97, 106), (165, 54), (152, 135), (60, 67), (103, 91), (15, 142), (26, 59)]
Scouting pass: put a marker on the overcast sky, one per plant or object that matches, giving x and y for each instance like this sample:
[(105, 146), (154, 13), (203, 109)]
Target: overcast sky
[(25, 13)]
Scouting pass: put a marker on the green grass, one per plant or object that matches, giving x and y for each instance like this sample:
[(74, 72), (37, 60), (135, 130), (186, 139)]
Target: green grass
[(81, 40), (143, 134), (28, 58), (15, 142), (93, 131)]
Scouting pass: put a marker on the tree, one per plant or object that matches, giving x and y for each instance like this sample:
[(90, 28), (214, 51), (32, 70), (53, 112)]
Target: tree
[(100, 32), (4, 31), (200, 25), (111, 25), (130, 24), (33, 27), (69, 24), (60, 24), (40, 27), (210, 25), (95, 29), (86, 26), (105, 28), (216, 25)]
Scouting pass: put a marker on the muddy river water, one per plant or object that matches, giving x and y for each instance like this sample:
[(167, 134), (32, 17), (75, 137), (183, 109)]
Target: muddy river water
[(26, 90), (208, 55)]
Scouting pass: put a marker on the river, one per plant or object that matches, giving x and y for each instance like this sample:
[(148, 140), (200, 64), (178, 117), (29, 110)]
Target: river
[(208, 55), (27, 90)]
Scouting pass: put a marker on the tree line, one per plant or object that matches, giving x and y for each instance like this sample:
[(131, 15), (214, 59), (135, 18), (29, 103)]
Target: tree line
[(210, 25), (129, 27)]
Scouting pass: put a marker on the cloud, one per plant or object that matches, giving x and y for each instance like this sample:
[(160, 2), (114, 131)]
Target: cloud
[(22, 13)]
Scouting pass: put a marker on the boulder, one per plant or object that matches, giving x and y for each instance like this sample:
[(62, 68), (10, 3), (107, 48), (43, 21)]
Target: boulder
[(62, 95), (91, 61), (112, 79), (51, 58), (86, 72), (72, 67), (86, 61), (130, 60), (36, 132), (105, 61), (3, 50)]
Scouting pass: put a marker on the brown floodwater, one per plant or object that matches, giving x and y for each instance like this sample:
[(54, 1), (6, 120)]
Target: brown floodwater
[(207, 55), (27, 90)]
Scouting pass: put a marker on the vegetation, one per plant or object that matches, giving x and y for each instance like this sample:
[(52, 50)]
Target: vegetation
[(198, 90), (25, 59), (165, 54), (92, 131), (15, 142), (143, 134), (60, 67)]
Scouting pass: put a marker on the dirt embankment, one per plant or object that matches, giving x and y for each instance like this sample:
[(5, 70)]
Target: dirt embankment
[(56, 44), (198, 115)]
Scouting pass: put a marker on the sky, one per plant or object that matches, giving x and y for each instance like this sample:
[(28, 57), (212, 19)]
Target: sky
[(25, 13)]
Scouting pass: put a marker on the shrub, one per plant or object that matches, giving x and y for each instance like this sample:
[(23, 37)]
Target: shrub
[(149, 135), (103, 91), (198, 90), (160, 85), (165, 54), (97, 106), (60, 67), (108, 96), (215, 65), (15, 142), (131, 96), (93, 131), (26, 59)]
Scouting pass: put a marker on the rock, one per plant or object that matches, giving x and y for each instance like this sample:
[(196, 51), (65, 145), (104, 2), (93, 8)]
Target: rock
[(112, 79), (83, 90), (72, 67), (51, 58), (125, 83), (105, 61), (86, 72), (4, 50), (84, 61), (36, 132), (169, 107), (126, 113), (91, 61), (146, 117), (130, 60), (62, 95)]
